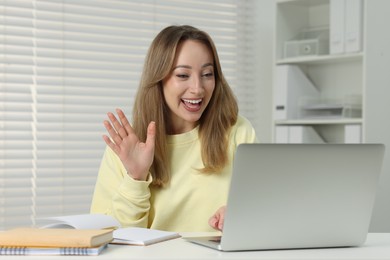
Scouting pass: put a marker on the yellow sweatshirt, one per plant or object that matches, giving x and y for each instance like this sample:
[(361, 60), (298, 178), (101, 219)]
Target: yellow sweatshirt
[(185, 204)]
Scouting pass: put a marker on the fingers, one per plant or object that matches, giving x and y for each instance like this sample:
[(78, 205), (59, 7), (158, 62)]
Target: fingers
[(108, 141), (216, 222), (221, 222), (112, 132), (213, 222), (120, 130), (218, 219), (124, 121), (151, 135)]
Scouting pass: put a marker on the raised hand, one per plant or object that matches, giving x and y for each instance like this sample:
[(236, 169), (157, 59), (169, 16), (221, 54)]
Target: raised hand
[(136, 156)]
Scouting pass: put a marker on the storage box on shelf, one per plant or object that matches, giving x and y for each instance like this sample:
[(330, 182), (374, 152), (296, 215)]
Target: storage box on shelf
[(308, 42), (338, 108)]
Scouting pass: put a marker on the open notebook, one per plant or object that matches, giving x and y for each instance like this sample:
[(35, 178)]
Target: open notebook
[(299, 196), (121, 235)]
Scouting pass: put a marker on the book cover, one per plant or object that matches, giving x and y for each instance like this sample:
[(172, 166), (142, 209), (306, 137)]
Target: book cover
[(37, 237)]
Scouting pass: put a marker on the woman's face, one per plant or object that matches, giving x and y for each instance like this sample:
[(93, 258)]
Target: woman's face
[(190, 85)]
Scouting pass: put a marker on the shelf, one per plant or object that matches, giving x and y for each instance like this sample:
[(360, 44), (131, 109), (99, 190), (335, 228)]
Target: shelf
[(334, 76), (322, 59), (342, 121), (304, 2)]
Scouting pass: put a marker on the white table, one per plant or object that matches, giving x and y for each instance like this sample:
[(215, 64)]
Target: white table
[(377, 246)]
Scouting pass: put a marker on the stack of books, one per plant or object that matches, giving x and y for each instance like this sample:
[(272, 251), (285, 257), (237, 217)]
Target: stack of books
[(85, 234), (54, 241)]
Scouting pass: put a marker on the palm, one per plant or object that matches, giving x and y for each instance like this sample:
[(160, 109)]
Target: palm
[(136, 156)]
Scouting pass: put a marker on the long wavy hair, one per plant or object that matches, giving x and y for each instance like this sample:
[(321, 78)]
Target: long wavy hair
[(215, 122)]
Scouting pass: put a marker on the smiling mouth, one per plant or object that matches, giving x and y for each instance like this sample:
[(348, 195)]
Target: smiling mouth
[(192, 104)]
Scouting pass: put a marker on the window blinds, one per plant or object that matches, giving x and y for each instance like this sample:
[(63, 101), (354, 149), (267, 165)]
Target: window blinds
[(64, 64)]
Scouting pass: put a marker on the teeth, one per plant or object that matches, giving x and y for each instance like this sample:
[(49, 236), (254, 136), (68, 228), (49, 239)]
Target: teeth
[(192, 101)]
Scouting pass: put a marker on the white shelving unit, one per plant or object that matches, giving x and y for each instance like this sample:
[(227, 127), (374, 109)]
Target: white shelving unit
[(336, 76), (365, 73)]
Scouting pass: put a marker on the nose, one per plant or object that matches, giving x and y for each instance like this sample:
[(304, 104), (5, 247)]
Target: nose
[(197, 85)]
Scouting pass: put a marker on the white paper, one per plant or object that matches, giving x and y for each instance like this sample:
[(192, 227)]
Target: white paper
[(83, 221), (141, 236)]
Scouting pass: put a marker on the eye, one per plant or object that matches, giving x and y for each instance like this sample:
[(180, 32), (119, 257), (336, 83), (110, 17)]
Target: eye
[(208, 75), (182, 76)]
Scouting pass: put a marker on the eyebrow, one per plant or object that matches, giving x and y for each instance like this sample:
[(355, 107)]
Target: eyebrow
[(189, 67)]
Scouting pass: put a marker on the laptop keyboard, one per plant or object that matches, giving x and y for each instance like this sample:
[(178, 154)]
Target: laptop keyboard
[(215, 240)]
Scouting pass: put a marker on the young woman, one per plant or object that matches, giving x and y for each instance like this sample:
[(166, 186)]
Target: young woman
[(170, 168)]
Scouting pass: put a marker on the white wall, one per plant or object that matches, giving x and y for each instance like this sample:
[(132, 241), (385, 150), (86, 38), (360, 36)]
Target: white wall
[(377, 127), (264, 35)]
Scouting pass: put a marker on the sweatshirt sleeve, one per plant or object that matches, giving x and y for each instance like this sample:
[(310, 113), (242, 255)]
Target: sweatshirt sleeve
[(119, 195), (244, 132)]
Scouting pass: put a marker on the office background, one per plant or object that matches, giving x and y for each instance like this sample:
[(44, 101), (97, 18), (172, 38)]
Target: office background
[(64, 64)]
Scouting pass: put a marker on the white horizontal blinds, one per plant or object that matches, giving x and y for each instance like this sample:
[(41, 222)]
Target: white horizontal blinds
[(63, 65), (61, 71), (16, 115), (87, 65), (246, 87)]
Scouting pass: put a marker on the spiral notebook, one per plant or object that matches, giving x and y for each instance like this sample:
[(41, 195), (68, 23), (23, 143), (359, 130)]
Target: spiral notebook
[(8, 250)]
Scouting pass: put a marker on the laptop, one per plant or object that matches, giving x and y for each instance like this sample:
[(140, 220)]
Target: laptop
[(285, 196)]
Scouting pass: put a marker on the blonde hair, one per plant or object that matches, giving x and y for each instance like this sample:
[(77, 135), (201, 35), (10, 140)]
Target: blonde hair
[(216, 121)]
